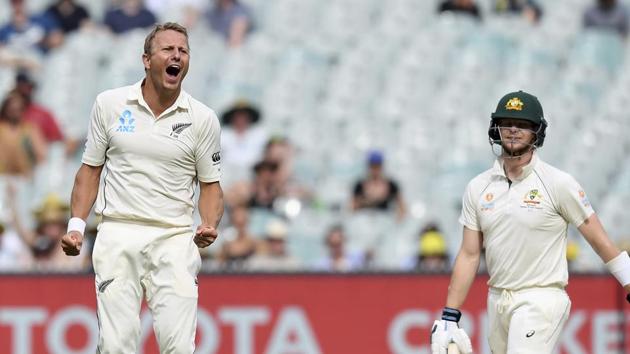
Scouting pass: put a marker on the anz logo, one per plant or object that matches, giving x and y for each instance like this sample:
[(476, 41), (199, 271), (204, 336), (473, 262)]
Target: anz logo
[(127, 123)]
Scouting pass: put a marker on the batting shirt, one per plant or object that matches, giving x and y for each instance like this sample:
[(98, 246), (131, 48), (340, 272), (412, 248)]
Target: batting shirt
[(152, 163), (524, 224)]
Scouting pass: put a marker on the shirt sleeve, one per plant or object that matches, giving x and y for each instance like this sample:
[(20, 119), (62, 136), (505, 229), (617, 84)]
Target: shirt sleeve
[(208, 150), (97, 140), (574, 205), (468, 216)]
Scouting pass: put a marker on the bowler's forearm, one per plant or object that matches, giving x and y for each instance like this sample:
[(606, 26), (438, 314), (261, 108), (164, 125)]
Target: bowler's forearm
[(85, 190), (211, 203)]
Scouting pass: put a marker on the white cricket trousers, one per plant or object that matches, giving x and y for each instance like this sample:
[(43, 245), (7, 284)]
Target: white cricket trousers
[(527, 321), (132, 261)]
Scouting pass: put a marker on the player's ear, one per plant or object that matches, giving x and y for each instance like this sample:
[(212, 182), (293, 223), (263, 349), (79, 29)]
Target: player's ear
[(146, 61)]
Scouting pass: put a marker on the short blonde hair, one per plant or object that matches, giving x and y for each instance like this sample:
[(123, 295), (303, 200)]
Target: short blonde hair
[(173, 26)]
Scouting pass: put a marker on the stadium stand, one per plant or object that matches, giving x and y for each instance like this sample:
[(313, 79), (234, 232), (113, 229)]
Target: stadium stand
[(341, 77)]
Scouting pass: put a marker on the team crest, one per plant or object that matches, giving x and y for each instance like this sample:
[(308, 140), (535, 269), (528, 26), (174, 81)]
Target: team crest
[(533, 194), (514, 104), (532, 199)]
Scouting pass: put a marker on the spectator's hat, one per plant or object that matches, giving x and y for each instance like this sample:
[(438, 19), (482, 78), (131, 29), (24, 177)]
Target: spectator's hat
[(241, 106), (375, 157), (52, 209), (432, 244), (276, 230)]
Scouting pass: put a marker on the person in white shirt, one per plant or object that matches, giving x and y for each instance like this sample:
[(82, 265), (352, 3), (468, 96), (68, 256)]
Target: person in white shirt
[(242, 139), (155, 143), (14, 256), (519, 210)]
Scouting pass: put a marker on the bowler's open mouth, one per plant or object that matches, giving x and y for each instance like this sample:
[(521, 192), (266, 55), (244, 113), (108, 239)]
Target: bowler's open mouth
[(173, 70)]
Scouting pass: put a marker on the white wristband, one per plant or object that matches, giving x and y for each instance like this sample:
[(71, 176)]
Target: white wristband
[(620, 268), (76, 224)]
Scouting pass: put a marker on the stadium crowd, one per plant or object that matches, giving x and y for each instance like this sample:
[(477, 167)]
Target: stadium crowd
[(277, 217)]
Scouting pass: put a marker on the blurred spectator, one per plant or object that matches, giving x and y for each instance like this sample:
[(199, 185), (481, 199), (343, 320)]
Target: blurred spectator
[(261, 192), (26, 32), (338, 259), (280, 151), (264, 188), (185, 12), (377, 191), (69, 15), (22, 146), (467, 7), (13, 255), (608, 15), (272, 181), (273, 256), (573, 251), (239, 245), (432, 255), (34, 113), (232, 20), (242, 140), (51, 219), (131, 14), (528, 9)]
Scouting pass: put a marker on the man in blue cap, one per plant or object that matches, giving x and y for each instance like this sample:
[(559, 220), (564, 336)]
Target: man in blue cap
[(377, 191)]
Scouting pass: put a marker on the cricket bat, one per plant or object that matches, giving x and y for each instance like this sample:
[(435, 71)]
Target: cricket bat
[(452, 349)]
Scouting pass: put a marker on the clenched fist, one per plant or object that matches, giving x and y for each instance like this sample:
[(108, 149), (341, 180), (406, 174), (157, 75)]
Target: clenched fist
[(71, 243), (205, 236)]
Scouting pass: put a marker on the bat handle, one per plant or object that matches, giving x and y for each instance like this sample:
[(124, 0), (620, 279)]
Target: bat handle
[(452, 349)]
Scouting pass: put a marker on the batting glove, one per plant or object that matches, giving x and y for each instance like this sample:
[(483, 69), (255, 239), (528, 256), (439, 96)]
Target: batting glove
[(447, 331)]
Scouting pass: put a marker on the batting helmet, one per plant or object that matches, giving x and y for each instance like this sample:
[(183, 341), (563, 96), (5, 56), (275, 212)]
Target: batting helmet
[(518, 105)]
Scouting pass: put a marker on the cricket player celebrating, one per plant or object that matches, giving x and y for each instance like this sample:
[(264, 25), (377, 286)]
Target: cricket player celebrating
[(519, 210), (156, 142)]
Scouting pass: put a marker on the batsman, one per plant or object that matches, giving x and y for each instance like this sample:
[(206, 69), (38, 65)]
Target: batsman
[(519, 211)]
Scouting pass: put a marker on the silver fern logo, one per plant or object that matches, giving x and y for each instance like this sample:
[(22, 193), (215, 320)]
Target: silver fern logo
[(178, 128)]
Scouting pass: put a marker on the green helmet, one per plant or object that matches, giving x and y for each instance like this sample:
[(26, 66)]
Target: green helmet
[(519, 105)]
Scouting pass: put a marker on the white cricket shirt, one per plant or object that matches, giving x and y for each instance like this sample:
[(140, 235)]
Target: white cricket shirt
[(525, 225), (151, 164)]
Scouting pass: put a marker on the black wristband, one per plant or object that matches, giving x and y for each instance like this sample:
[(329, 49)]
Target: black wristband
[(451, 314)]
